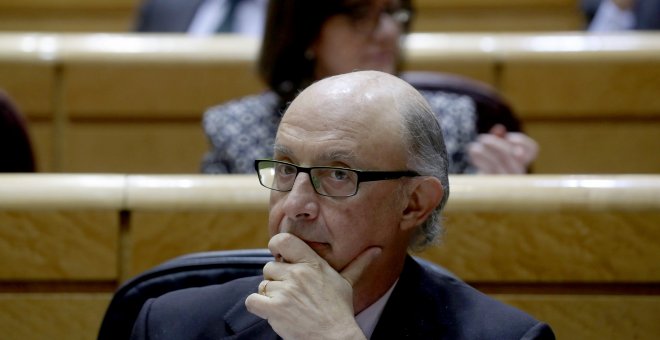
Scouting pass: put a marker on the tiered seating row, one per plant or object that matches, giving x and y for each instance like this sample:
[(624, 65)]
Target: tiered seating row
[(581, 252), (432, 15), (133, 103)]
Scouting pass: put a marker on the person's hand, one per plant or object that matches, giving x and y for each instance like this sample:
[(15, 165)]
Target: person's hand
[(303, 297), (502, 152)]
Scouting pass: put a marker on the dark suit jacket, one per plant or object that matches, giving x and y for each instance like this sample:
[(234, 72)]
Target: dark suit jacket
[(166, 15), (426, 304)]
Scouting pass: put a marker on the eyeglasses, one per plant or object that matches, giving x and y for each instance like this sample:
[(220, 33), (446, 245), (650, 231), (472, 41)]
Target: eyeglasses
[(326, 180), (365, 18)]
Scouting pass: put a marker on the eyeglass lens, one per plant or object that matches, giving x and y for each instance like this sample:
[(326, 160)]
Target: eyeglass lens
[(327, 181)]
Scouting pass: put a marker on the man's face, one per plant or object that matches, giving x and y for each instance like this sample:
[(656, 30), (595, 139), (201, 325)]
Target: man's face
[(341, 125)]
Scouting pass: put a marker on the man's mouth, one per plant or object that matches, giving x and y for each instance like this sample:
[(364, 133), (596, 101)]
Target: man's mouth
[(317, 246)]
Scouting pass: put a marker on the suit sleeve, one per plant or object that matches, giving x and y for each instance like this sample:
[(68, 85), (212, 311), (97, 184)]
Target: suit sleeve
[(540, 331), (140, 328)]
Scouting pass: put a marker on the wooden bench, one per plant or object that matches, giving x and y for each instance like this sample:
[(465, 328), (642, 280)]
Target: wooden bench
[(580, 252), (133, 103), (432, 15), (592, 104), (67, 15), (498, 16)]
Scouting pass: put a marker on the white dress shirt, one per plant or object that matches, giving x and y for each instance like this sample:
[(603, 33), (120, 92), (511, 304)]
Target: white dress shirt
[(609, 17), (250, 17), (368, 318)]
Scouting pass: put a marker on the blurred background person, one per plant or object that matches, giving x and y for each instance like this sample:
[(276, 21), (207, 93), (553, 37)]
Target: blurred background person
[(305, 41), (15, 143), (620, 15), (202, 17)]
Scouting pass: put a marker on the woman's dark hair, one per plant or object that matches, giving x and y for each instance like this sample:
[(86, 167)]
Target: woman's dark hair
[(292, 26)]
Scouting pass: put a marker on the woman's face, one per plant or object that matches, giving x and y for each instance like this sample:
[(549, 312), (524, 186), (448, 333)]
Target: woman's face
[(366, 37)]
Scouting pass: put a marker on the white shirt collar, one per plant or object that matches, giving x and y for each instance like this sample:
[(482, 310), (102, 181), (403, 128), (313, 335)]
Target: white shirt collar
[(368, 318)]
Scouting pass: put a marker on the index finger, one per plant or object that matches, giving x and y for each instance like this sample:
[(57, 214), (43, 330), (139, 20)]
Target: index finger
[(291, 249)]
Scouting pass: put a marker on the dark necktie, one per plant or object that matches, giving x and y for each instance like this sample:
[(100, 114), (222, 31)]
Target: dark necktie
[(228, 21)]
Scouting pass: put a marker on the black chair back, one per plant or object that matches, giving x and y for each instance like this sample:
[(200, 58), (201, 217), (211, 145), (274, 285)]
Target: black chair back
[(492, 108), (194, 270)]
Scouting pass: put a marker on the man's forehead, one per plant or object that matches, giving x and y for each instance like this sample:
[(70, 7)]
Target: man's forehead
[(346, 101)]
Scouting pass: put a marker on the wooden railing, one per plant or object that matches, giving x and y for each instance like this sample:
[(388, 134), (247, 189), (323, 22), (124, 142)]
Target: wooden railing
[(580, 252), (133, 103)]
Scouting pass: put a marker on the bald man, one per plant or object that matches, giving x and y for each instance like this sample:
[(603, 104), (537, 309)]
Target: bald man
[(358, 180)]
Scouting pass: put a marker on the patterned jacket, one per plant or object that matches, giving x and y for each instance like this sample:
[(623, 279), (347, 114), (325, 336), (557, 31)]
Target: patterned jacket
[(243, 130)]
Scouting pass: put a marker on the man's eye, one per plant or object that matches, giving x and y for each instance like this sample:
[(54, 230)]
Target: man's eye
[(286, 170), (339, 174)]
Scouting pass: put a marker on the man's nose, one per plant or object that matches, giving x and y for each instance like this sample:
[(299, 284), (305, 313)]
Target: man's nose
[(302, 200)]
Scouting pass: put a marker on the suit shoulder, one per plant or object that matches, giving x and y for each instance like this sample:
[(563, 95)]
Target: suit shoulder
[(193, 312), (201, 297), (475, 315)]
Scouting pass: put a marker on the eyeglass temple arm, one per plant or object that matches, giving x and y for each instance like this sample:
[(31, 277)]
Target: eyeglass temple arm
[(384, 175)]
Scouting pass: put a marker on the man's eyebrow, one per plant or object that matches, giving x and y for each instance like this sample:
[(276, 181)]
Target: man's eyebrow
[(345, 156), (282, 150)]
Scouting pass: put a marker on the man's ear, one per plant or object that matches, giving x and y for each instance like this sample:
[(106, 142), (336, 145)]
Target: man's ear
[(424, 196)]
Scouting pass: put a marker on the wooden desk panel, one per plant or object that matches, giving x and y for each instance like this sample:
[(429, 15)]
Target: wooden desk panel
[(494, 19), (161, 90), (52, 316), (160, 236), (64, 20), (67, 15), (572, 87), (42, 138), (427, 4), (593, 317), (596, 145), (551, 246), (58, 245), (59, 227), (497, 16), (135, 146), (80, 4), (31, 86)]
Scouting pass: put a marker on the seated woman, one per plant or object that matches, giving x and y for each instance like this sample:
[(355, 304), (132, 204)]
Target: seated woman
[(305, 41)]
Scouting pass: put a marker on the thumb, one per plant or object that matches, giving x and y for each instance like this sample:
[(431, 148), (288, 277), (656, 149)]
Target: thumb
[(353, 271)]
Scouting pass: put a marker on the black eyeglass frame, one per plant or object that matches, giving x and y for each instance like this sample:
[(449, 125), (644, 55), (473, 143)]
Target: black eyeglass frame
[(362, 175)]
